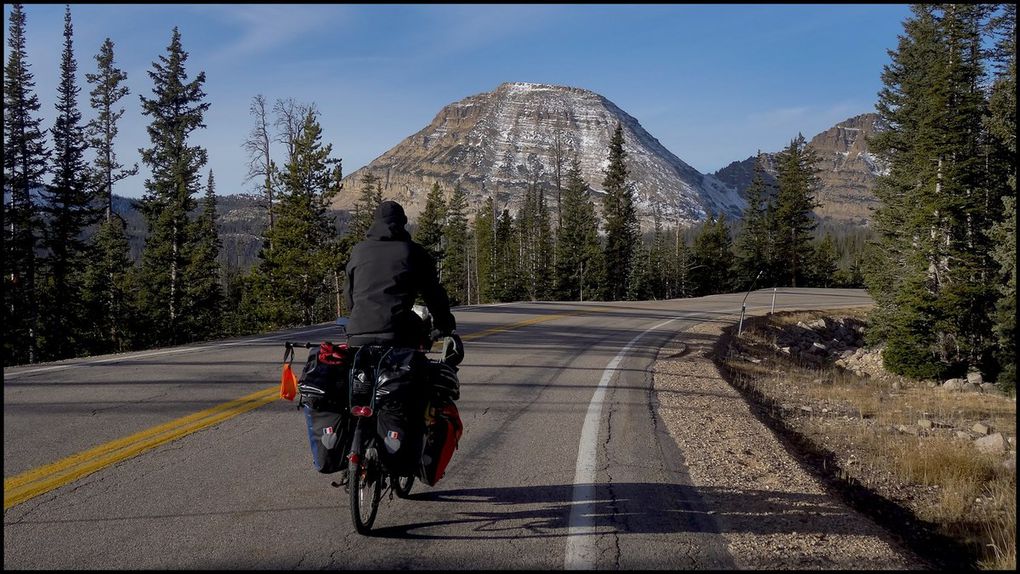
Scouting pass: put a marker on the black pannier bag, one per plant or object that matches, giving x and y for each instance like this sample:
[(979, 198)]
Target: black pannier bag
[(399, 406), (323, 389), (443, 429), (324, 379), (329, 434)]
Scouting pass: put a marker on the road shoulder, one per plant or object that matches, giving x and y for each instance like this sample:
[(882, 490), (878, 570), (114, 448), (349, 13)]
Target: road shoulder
[(772, 513)]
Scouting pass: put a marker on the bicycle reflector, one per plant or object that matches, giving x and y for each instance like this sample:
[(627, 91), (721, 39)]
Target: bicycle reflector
[(361, 411)]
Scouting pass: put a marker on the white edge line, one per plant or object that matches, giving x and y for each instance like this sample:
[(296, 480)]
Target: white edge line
[(580, 552)]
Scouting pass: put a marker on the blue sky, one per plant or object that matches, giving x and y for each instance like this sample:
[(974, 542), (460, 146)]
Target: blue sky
[(713, 83)]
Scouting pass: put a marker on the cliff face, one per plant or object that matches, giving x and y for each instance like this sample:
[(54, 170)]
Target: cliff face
[(505, 140), (847, 170)]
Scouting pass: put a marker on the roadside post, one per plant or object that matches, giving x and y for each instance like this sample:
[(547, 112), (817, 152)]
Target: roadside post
[(771, 312), (740, 327)]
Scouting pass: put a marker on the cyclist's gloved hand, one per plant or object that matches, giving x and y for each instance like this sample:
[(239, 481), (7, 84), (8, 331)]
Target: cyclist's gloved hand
[(437, 334), (453, 350)]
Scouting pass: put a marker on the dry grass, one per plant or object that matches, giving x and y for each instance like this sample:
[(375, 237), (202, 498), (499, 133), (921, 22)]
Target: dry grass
[(941, 478)]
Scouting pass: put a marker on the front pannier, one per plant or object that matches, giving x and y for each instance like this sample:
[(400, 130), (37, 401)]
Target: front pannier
[(323, 390), (399, 403), (443, 428)]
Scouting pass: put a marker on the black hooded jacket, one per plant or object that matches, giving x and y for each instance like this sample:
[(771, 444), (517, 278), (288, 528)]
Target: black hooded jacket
[(385, 274)]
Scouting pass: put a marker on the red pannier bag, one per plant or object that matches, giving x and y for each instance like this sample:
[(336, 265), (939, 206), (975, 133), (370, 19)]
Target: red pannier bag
[(442, 434)]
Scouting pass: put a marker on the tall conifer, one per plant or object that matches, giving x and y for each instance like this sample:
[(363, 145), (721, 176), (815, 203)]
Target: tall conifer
[(70, 207), (25, 159), (177, 109), (620, 218)]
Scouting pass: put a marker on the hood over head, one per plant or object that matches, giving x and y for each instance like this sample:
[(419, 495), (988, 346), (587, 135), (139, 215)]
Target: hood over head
[(389, 223)]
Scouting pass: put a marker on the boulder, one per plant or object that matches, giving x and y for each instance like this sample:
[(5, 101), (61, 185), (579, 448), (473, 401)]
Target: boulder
[(974, 378), (992, 444), (981, 429), (952, 385)]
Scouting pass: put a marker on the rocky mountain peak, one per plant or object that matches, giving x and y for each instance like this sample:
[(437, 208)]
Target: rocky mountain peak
[(502, 141)]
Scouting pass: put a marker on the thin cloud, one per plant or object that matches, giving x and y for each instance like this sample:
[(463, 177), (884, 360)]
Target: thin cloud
[(263, 28)]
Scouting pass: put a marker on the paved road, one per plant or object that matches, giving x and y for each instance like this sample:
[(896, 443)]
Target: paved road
[(180, 458)]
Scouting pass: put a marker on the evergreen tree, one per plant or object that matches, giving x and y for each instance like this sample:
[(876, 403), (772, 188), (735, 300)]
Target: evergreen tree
[(822, 272), (103, 129), (107, 291), (641, 285), (931, 277), (543, 250), (579, 273), (713, 258), (794, 205), (455, 253), (203, 301), (177, 111), (364, 209), (620, 218), (429, 232), (70, 208), (507, 268), (483, 234), (752, 245), (296, 282), (107, 287), (25, 159), (1001, 125), (685, 261)]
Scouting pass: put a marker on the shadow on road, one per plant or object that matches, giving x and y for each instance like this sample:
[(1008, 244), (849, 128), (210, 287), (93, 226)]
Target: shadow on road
[(622, 508)]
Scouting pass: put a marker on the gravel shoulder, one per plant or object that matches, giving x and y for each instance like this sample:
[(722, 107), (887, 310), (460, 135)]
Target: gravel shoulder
[(772, 513)]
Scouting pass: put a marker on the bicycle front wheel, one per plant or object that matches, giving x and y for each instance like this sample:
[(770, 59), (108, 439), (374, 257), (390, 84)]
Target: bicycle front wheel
[(402, 485), (365, 492)]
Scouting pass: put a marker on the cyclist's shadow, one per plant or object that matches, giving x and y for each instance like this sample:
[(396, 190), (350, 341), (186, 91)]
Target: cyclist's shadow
[(545, 511)]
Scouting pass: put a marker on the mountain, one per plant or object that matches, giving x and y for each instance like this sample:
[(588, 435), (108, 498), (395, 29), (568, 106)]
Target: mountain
[(502, 141), (847, 175)]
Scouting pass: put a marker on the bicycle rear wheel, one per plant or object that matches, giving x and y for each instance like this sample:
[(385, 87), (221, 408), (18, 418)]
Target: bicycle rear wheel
[(365, 492)]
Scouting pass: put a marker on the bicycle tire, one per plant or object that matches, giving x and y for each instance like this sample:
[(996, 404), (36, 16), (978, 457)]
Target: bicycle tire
[(363, 492)]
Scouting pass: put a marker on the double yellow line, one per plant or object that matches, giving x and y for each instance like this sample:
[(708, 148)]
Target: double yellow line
[(41, 480), (22, 487)]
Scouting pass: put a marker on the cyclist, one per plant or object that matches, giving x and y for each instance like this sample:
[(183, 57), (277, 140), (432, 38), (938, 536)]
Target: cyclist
[(385, 274)]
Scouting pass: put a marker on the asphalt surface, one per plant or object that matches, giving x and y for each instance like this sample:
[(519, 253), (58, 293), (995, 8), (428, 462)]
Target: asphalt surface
[(563, 463)]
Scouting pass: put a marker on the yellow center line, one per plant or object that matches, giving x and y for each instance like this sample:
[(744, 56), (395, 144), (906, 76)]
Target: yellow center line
[(43, 479)]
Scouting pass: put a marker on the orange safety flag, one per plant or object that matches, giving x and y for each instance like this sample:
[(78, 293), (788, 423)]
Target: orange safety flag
[(288, 382)]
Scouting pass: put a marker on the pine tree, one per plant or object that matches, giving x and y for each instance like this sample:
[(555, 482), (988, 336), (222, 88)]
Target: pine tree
[(579, 260), (429, 232), (203, 300), (822, 272), (107, 290), (176, 110), (296, 282), (483, 249), (543, 250), (641, 285), (931, 276), (793, 216), (455, 254), (364, 209), (25, 159), (512, 276), (103, 129), (752, 244), (69, 206), (1001, 125), (620, 219), (713, 258)]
